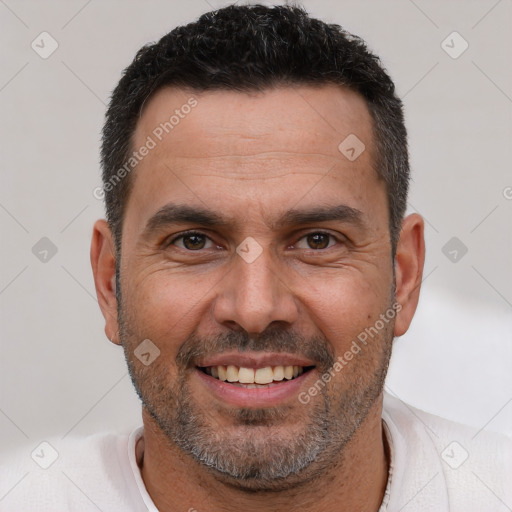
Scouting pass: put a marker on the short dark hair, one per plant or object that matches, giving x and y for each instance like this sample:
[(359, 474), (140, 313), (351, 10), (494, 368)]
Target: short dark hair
[(253, 48)]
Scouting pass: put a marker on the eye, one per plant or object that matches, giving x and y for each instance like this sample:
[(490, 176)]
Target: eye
[(192, 241), (316, 241)]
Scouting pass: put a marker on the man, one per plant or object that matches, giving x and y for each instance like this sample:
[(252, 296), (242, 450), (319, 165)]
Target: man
[(255, 266)]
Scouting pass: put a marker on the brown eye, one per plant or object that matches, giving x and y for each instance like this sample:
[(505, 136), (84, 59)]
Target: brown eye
[(192, 241), (318, 240)]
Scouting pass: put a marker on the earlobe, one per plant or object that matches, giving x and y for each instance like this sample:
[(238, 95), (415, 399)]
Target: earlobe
[(409, 260), (103, 263)]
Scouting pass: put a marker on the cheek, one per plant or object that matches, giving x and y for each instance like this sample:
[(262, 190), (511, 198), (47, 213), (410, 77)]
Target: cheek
[(346, 308), (164, 306)]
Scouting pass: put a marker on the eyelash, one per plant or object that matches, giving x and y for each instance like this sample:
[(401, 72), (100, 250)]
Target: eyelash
[(185, 234), (326, 233), (198, 233)]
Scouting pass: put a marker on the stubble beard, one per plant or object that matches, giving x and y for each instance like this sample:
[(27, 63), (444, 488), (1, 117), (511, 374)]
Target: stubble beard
[(259, 454)]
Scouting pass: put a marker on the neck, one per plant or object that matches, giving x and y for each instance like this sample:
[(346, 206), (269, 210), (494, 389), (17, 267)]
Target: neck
[(357, 481)]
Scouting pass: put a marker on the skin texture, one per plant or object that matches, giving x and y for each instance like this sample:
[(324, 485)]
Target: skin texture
[(250, 158)]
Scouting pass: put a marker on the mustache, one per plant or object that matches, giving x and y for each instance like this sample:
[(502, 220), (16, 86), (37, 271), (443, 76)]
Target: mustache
[(315, 348)]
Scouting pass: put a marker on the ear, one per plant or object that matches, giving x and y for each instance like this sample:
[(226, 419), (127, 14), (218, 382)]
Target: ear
[(409, 260), (103, 263)]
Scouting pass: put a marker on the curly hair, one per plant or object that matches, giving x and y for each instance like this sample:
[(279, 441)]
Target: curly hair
[(253, 48)]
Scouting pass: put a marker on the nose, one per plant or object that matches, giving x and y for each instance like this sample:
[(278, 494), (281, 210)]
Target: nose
[(253, 295)]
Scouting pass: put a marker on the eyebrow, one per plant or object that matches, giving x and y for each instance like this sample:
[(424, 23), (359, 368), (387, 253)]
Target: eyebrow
[(172, 214), (340, 213), (182, 214)]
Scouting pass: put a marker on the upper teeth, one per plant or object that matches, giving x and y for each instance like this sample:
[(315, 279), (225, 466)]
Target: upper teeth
[(244, 375)]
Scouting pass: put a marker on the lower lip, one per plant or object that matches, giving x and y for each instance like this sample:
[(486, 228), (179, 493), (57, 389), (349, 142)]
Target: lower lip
[(254, 397)]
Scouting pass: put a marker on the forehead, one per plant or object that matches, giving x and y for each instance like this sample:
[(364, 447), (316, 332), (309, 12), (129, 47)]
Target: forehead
[(275, 119), (260, 147)]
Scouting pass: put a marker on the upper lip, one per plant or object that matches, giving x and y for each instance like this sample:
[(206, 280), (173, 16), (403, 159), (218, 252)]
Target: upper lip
[(254, 359)]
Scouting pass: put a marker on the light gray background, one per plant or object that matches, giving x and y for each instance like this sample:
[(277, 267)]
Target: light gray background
[(60, 375)]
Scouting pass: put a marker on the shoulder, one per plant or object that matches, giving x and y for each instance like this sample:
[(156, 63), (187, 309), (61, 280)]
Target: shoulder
[(471, 467), (68, 474)]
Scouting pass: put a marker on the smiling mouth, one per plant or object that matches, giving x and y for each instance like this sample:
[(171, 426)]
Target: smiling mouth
[(255, 377)]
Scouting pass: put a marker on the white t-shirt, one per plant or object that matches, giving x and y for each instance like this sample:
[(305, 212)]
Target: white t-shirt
[(436, 466)]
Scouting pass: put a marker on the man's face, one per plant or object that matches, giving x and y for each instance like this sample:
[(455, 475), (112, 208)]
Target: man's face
[(289, 260)]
